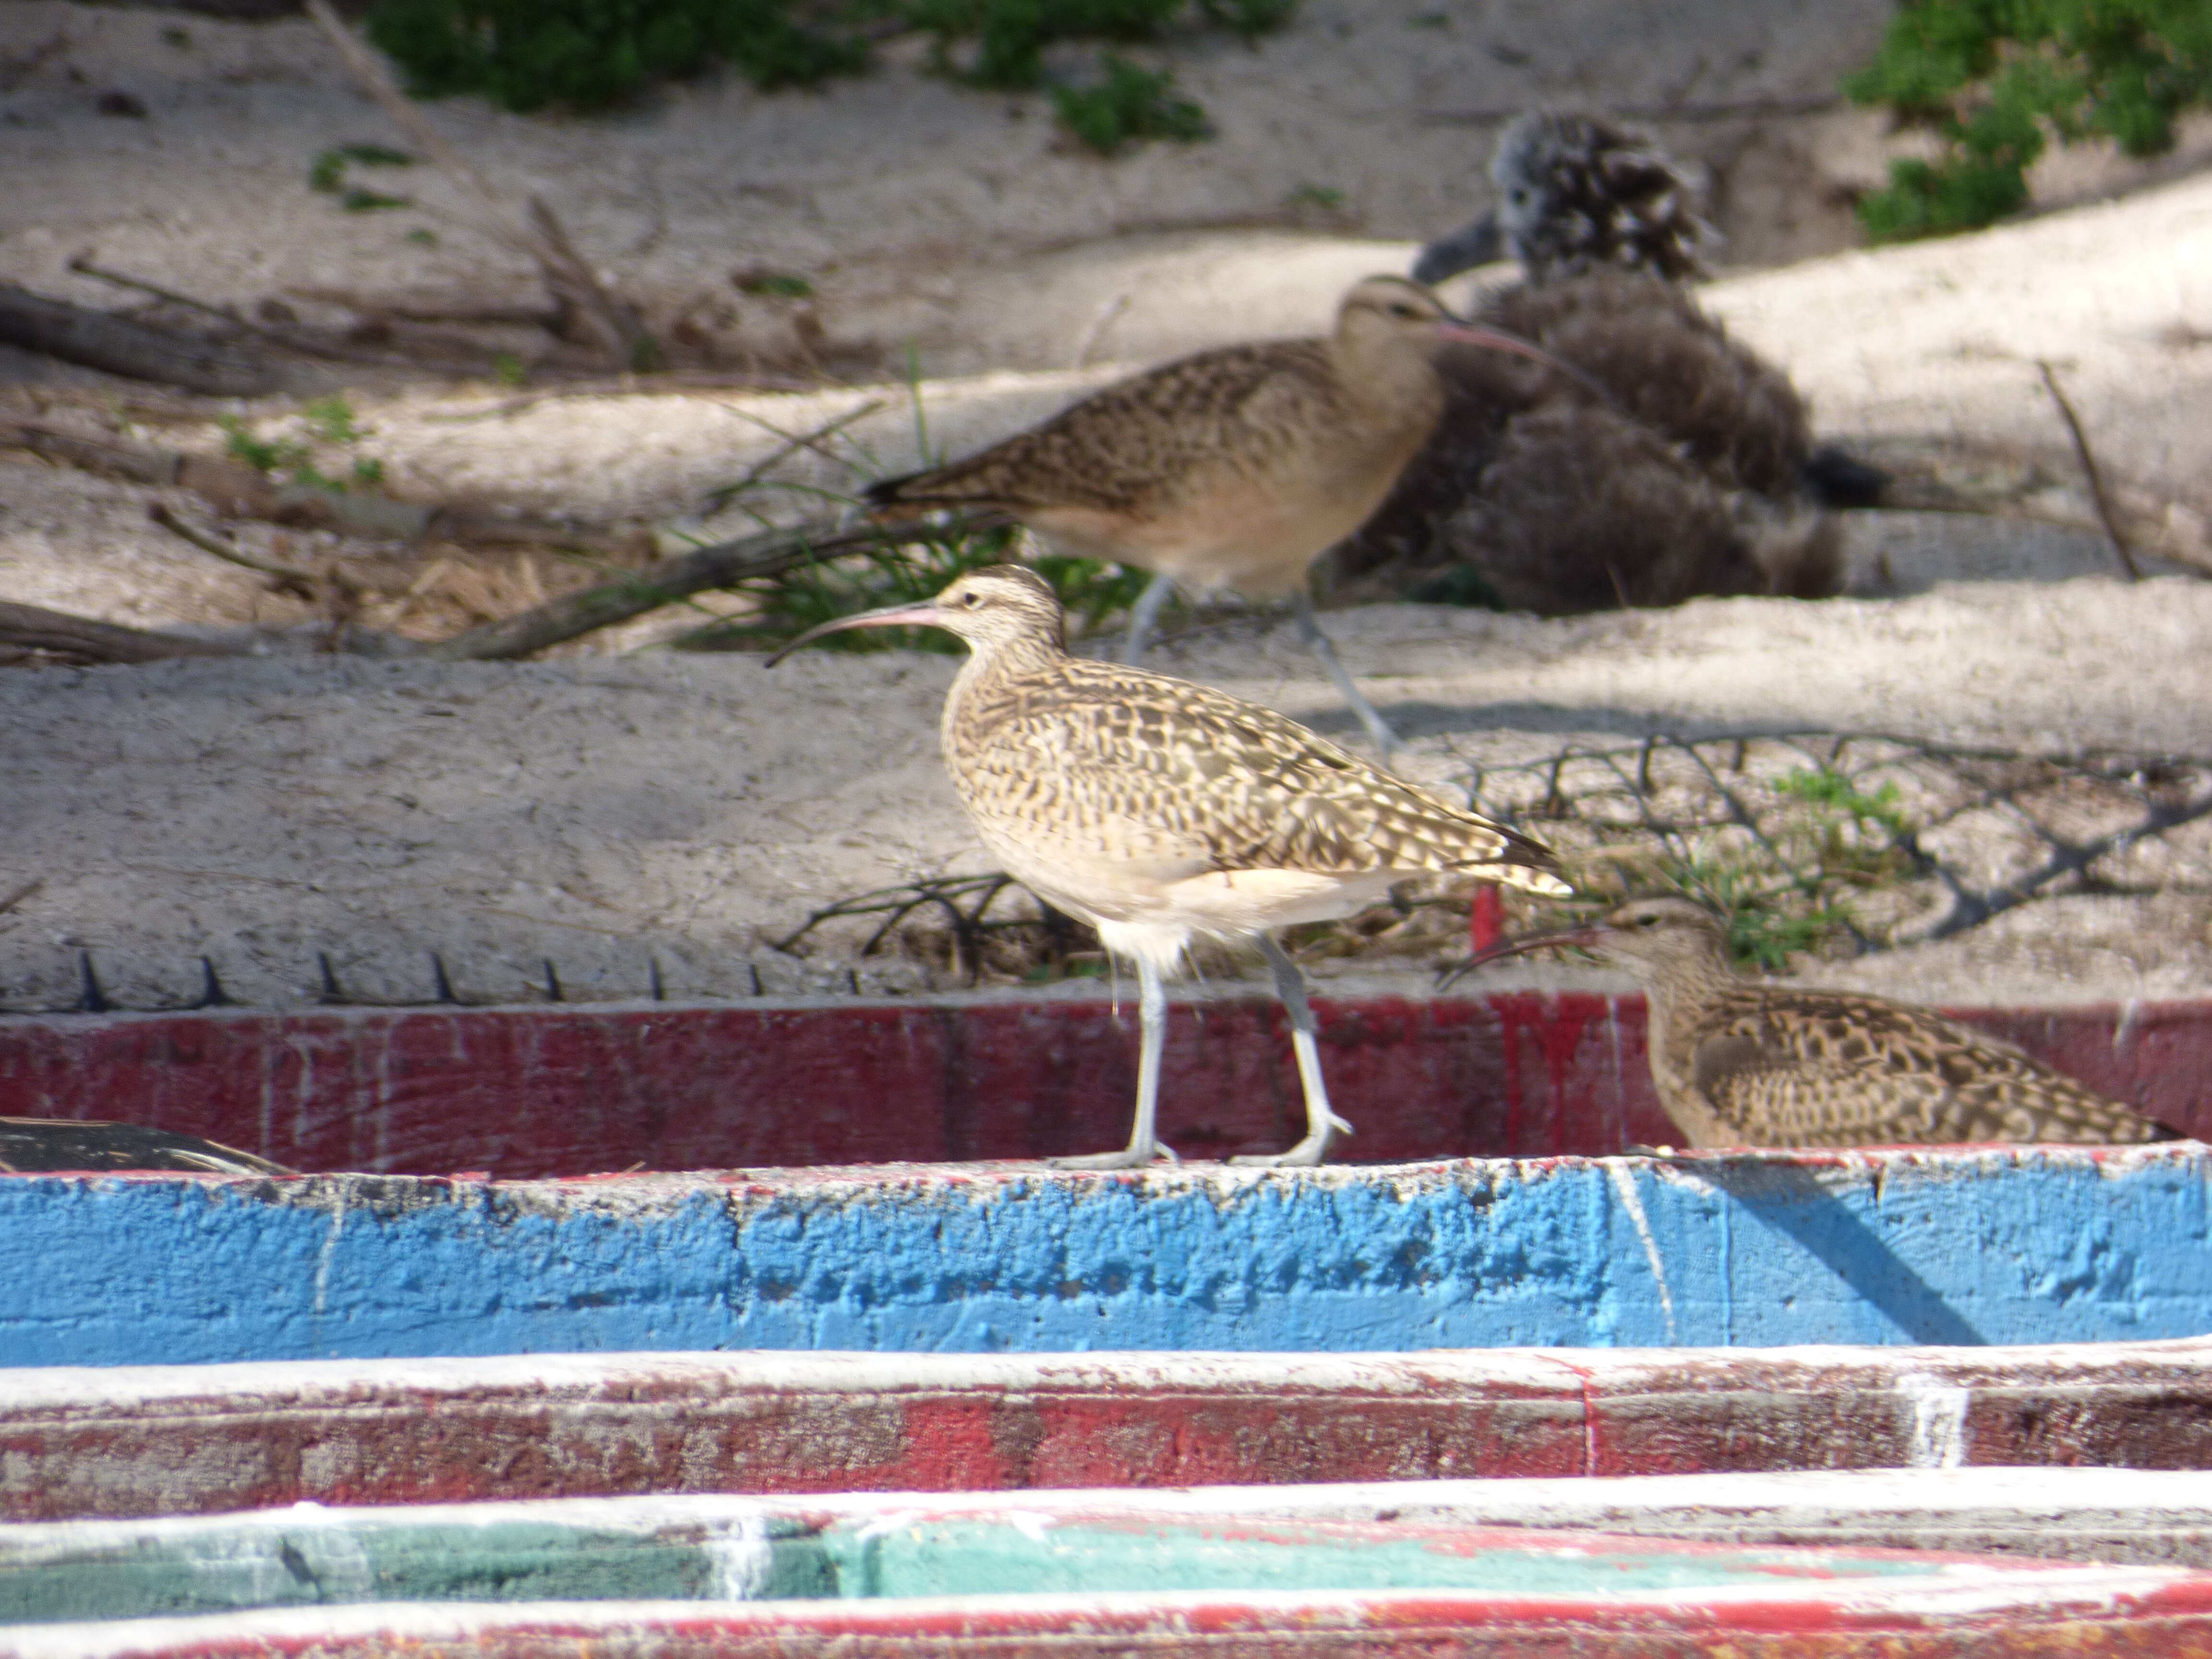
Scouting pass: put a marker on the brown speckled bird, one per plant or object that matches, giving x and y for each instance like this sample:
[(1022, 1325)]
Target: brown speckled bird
[(1157, 809), (1696, 474), (1739, 1063), (1229, 469)]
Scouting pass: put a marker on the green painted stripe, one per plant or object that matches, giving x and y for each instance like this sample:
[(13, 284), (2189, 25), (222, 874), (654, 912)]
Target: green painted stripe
[(62, 1572)]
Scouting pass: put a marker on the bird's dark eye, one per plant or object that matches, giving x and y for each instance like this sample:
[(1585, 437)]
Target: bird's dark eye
[(971, 600), (1401, 309), (1519, 196), (1647, 921)]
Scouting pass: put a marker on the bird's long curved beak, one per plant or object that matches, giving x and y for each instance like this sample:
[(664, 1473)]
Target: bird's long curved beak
[(1497, 340), (1591, 934), (923, 615)]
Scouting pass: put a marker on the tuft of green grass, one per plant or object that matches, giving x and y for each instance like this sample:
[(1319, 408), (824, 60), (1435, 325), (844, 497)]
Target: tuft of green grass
[(290, 460), (774, 284), (1130, 104), (788, 604), (330, 420), (510, 370), (327, 173)]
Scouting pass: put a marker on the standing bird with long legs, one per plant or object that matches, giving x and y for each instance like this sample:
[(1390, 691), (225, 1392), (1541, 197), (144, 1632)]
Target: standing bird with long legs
[(1155, 810), (1233, 468), (1740, 1063)]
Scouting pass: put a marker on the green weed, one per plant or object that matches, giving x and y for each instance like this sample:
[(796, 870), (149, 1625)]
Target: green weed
[(785, 606), (1131, 104), (327, 174)]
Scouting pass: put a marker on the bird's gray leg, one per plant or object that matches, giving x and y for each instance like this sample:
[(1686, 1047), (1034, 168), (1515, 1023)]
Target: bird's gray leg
[(1142, 617), (1378, 729), (1144, 1140), (1291, 986)]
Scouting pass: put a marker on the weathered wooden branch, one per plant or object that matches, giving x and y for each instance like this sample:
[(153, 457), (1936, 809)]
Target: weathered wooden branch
[(96, 339), (33, 627), (85, 265), (238, 492), (767, 554)]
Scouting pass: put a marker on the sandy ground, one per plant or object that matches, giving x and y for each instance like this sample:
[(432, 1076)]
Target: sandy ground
[(604, 814), (302, 825)]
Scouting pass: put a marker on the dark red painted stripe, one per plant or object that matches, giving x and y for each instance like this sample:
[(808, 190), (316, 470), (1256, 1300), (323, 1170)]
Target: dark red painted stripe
[(559, 1089)]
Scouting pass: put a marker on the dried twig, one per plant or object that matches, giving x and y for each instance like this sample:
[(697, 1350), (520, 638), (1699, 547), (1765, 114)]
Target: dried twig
[(792, 443), (428, 308), (568, 279), (633, 386), (28, 890), (284, 578), (2120, 551), (767, 554), (241, 492)]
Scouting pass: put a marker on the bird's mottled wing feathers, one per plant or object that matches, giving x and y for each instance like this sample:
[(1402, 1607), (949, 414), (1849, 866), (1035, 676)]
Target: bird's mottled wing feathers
[(1828, 1069), (1111, 451), (1247, 787)]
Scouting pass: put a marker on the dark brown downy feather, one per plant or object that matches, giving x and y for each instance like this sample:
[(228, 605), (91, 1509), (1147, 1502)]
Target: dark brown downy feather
[(1534, 495)]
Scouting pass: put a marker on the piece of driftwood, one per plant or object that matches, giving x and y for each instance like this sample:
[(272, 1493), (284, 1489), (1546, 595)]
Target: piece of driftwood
[(305, 344), (767, 554), (96, 339), (576, 289), (33, 627), (238, 492)]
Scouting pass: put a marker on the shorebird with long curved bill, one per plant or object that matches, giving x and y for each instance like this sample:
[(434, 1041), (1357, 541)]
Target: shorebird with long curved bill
[(1740, 1063), (1157, 810), (1233, 468)]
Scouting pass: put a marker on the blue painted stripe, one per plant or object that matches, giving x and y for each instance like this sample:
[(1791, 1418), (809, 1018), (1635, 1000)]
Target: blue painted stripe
[(2010, 1246)]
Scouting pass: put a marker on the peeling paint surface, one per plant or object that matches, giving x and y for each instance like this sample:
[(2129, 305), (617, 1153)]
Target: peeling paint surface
[(126, 1441), (524, 1092), (1748, 1250)]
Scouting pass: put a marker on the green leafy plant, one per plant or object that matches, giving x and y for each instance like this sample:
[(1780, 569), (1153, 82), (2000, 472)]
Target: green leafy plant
[(1995, 79), (589, 54), (1009, 36), (1130, 104), (328, 174)]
